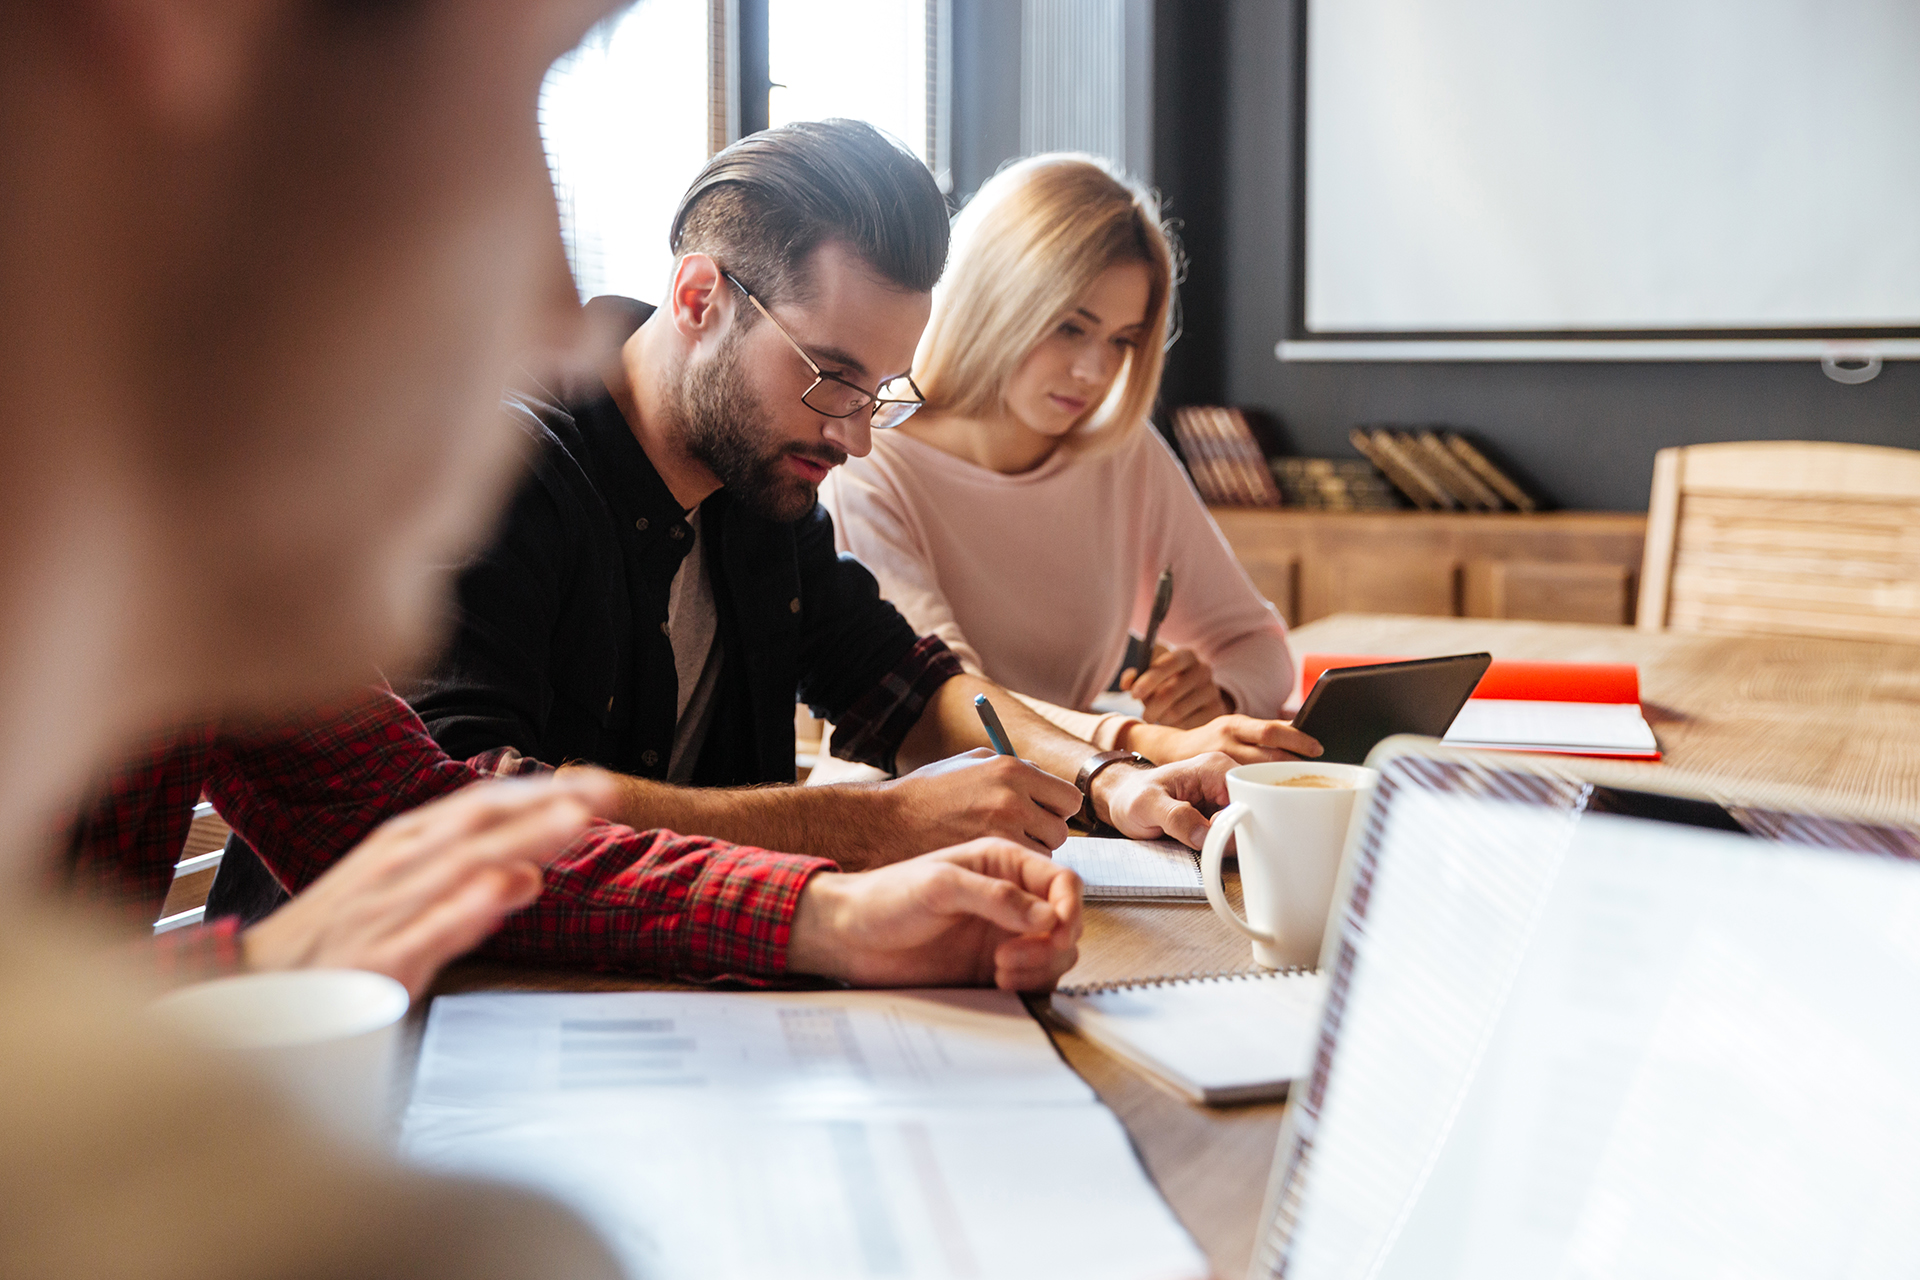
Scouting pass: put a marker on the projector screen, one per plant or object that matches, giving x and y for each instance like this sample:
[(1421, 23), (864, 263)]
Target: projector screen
[(1610, 169)]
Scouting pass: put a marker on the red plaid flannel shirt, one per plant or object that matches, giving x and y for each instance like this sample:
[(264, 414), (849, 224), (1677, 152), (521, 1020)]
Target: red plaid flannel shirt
[(304, 795)]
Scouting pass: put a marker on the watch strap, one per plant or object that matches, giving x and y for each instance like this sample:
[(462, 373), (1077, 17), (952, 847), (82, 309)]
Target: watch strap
[(1090, 767)]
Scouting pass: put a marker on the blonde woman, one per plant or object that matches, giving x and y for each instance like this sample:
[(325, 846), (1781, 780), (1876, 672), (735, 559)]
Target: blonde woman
[(1025, 514)]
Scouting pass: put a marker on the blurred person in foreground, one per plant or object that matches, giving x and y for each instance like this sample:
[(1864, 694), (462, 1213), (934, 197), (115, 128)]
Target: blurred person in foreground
[(264, 265)]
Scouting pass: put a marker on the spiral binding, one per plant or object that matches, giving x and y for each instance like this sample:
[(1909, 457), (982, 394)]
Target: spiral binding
[(1179, 979)]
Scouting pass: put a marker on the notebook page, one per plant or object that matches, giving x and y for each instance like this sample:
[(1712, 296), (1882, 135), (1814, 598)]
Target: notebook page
[(815, 1134), (1214, 1035), (1133, 868), (1510, 722)]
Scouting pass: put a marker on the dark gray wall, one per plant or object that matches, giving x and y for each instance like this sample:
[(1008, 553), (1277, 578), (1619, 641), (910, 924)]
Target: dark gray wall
[(1586, 432), (1223, 130), (1189, 168)]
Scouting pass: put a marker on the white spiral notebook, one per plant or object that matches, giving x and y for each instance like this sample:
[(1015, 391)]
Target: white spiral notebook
[(1133, 870), (1214, 1038)]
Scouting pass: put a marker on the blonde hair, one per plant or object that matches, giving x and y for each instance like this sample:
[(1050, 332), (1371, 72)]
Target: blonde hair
[(1025, 249)]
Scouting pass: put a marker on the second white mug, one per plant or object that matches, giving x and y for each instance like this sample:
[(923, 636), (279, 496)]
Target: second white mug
[(327, 1038), (1293, 818)]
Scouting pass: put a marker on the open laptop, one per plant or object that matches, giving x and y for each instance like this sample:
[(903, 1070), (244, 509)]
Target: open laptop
[(1577, 1029)]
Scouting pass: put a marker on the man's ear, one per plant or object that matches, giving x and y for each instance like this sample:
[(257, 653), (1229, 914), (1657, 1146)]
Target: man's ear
[(177, 64), (700, 301)]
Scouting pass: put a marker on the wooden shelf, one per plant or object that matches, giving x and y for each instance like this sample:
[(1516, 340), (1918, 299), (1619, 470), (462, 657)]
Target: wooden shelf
[(1555, 566)]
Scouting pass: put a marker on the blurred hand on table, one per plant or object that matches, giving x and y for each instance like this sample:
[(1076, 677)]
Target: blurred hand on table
[(433, 883)]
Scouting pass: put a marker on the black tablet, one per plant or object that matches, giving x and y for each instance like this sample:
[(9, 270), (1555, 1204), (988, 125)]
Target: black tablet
[(1349, 709)]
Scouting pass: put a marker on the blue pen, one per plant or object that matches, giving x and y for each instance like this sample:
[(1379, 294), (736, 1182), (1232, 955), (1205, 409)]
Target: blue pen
[(996, 732)]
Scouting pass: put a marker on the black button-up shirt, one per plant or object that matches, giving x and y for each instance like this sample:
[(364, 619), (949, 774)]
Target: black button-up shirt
[(560, 647)]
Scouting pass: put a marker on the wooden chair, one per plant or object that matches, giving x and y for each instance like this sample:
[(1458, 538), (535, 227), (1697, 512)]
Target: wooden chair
[(1784, 537)]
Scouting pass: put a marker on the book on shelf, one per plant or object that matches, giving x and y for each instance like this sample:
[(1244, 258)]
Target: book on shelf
[(1224, 458), (1443, 465), (1499, 481), (1441, 470), (1333, 484), (1379, 447)]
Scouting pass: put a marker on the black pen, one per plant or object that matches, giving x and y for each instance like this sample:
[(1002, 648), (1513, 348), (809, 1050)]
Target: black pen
[(1162, 598), (996, 732)]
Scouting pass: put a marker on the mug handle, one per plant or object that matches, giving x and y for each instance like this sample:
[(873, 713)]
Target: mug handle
[(1211, 854)]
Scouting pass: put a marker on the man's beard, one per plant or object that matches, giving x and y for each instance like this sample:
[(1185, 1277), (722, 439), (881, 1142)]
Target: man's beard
[(728, 431)]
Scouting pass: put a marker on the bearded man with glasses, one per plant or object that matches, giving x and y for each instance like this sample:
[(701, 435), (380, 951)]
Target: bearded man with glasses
[(666, 586)]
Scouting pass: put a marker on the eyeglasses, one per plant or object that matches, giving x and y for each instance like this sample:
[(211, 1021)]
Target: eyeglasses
[(835, 397)]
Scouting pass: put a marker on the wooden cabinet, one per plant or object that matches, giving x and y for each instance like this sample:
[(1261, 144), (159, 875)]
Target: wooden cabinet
[(1559, 566)]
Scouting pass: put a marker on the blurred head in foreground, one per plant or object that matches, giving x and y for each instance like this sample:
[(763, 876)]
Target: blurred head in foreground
[(264, 268)]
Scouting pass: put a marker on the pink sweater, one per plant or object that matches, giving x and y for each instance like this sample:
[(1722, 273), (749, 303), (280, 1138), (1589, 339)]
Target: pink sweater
[(1034, 580)]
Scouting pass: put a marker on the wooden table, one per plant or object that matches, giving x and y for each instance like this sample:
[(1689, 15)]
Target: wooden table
[(1840, 716)]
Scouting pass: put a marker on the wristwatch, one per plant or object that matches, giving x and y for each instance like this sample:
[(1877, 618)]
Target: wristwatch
[(1090, 768)]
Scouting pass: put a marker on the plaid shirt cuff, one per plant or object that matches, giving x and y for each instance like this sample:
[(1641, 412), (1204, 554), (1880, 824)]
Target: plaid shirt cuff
[(689, 907), (874, 727), (197, 953)]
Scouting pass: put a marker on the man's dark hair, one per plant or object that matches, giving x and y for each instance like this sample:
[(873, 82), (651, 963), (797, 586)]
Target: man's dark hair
[(762, 206)]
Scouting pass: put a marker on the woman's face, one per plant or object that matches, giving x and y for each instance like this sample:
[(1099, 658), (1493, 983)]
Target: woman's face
[(1069, 373)]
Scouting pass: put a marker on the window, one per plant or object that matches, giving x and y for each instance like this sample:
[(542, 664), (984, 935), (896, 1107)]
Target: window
[(631, 115), (875, 60), (625, 120)]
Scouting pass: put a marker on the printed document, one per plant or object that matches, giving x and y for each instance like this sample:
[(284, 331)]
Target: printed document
[(844, 1133)]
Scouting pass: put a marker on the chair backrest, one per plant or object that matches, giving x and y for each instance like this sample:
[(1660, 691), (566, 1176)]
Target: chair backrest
[(1785, 537)]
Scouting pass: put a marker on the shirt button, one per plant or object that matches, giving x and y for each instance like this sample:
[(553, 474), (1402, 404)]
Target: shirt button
[(678, 532), (793, 605), (666, 631), (641, 524), (649, 758)]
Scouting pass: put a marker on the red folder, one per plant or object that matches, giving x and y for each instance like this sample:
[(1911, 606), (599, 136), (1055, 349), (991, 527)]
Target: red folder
[(1531, 681), (1535, 706)]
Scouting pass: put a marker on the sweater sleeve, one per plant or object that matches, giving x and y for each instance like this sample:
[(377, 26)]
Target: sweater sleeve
[(872, 524), (1216, 610), (1101, 729)]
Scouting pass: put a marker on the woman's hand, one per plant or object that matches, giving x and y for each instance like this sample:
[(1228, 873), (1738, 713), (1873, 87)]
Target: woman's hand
[(1177, 689), (1247, 740)]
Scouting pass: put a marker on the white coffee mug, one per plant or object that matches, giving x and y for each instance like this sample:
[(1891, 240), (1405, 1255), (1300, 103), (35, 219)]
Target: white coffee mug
[(1291, 841), (328, 1038)]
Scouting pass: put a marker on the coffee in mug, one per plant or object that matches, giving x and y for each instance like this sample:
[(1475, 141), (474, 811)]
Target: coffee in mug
[(1292, 819)]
